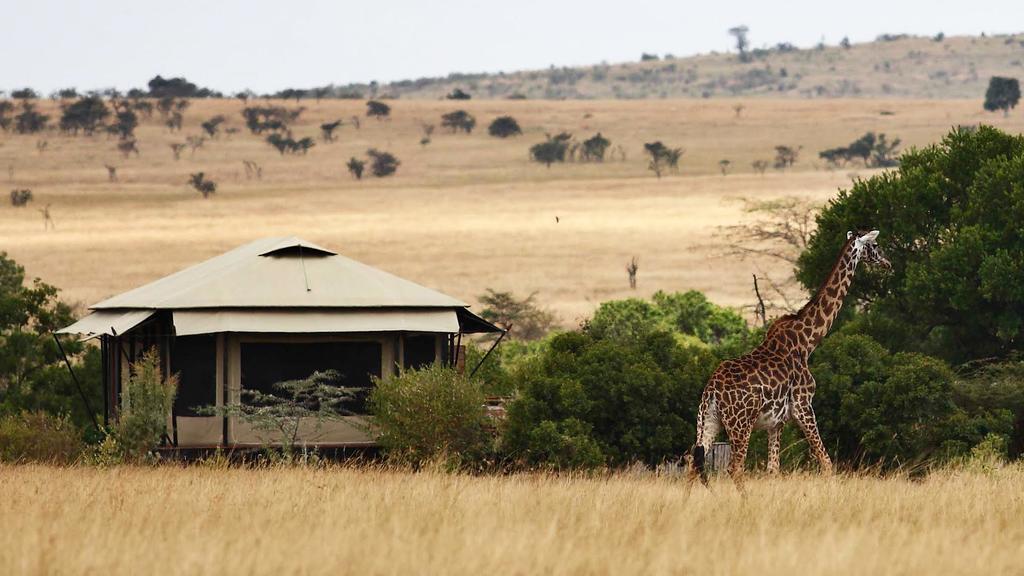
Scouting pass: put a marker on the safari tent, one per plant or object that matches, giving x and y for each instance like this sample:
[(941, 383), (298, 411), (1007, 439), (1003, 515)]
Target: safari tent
[(272, 310)]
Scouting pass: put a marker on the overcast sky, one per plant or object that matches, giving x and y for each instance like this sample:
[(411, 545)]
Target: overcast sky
[(267, 45)]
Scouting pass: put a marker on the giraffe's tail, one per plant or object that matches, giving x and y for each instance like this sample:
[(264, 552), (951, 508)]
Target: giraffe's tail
[(707, 429)]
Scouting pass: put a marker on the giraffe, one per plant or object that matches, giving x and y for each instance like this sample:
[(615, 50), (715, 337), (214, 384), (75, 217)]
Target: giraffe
[(771, 384)]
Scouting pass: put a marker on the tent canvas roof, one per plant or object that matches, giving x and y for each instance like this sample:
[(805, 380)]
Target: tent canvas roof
[(280, 273)]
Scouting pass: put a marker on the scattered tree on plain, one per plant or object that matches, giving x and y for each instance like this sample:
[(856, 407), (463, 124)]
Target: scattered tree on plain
[(458, 94), (20, 197), (874, 150), (1002, 94), (759, 166), (740, 33), (111, 173), (377, 109), (327, 130), (30, 121), (662, 157), (786, 156), (428, 132), (86, 114), (458, 120), (212, 126), (551, 150), (631, 270), (723, 166), (594, 148), (195, 142), (382, 163), (355, 167), (202, 184), (503, 127)]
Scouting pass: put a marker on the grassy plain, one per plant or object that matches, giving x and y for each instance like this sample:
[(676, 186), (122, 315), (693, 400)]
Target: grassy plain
[(167, 520), (465, 212)]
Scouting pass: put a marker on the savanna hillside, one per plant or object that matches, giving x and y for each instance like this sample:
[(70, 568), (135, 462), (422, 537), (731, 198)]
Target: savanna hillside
[(462, 213), (892, 66)]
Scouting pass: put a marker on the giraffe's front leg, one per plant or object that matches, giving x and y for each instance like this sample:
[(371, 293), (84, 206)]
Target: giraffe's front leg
[(774, 447), (804, 415)]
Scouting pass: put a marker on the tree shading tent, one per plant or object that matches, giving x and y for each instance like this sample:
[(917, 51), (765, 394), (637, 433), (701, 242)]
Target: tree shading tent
[(272, 310)]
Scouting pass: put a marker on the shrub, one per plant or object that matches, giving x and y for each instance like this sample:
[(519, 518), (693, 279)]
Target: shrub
[(503, 127), (585, 402), (355, 167), (382, 163), (458, 94), (431, 413), (874, 406), (20, 197), (377, 109), (86, 114), (146, 404), (39, 437)]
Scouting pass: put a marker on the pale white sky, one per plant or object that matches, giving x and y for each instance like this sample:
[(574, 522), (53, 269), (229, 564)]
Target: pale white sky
[(267, 45)]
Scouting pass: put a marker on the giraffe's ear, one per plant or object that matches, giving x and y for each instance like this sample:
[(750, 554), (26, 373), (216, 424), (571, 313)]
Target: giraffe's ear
[(849, 234), (869, 238)]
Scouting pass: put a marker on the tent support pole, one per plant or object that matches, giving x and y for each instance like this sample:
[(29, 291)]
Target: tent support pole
[(78, 384), (489, 350)]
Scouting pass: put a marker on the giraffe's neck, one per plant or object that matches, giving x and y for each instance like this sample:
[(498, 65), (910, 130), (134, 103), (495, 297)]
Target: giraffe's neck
[(824, 307)]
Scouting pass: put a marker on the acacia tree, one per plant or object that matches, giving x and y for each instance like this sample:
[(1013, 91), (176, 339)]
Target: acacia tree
[(786, 156), (30, 121), (86, 114), (458, 120), (662, 157), (212, 126), (202, 184), (551, 150), (327, 130), (522, 318), (740, 33), (1002, 94), (594, 148)]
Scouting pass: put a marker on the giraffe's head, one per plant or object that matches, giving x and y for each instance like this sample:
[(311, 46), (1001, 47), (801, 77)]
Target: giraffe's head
[(866, 248)]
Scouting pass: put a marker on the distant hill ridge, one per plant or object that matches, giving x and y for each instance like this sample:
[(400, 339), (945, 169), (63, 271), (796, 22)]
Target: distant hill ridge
[(893, 66)]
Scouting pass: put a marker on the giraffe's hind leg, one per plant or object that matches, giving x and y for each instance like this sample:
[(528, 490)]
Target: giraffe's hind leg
[(739, 437)]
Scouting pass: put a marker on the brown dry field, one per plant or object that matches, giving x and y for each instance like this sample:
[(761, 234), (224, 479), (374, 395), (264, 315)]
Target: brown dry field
[(338, 520), (464, 213)]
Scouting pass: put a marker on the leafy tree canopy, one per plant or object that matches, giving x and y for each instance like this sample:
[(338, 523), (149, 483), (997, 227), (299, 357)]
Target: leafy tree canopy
[(950, 221)]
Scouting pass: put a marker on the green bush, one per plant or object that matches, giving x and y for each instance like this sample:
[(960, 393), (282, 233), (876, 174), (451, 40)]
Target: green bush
[(146, 406), (689, 313), (874, 406), (431, 414), (39, 437), (585, 401)]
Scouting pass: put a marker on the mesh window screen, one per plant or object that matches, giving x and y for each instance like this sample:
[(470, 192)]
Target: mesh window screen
[(194, 360)]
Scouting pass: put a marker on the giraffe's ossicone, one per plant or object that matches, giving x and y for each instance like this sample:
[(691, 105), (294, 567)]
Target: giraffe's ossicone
[(773, 384)]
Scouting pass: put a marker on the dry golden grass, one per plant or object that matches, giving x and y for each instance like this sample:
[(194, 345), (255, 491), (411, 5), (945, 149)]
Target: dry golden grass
[(167, 520), (462, 214)]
